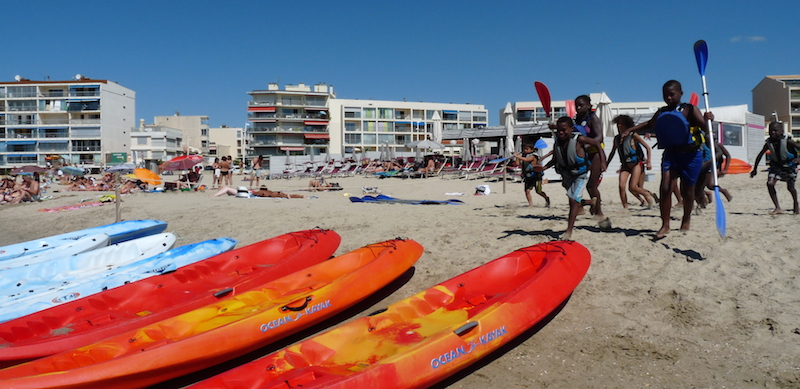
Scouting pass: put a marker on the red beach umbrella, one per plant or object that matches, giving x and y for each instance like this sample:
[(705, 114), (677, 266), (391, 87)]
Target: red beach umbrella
[(183, 162)]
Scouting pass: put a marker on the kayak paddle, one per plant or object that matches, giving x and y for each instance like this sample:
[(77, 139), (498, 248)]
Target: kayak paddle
[(701, 55)]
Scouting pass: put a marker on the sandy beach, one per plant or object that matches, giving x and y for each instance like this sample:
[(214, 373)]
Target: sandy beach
[(692, 310)]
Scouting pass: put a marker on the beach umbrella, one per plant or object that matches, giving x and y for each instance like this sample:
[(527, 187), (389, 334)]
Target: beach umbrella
[(509, 143), (183, 162), (518, 145), (72, 170), (604, 114), (437, 127), (466, 155), (122, 168), (147, 176), (27, 169), (392, 155)]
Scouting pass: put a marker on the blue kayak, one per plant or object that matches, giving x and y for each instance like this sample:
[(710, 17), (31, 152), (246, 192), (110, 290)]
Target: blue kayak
[(392, 200), (117, 232), (60, 289)]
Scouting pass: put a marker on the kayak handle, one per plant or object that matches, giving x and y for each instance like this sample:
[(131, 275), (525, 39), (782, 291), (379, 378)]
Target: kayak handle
[(223, 292), (300, 308), (465, 328)]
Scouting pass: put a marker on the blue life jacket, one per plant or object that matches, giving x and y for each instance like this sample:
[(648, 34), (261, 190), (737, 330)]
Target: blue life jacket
[(583, 128), (672, 128), (527, 169), (570, 163), (781, 157), (629, 150)]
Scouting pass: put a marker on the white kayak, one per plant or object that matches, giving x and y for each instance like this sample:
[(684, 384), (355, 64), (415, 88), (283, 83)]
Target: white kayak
[(162, 263), (82, 245), (117, 232), (41, 277)]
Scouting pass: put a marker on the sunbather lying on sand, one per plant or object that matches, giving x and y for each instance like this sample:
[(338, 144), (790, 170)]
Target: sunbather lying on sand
[(262, 192)]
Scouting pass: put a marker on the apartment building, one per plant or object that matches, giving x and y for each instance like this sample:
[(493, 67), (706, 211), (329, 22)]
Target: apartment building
[(81, 121), (779, 95), (293, 120), (224, 141), (152, 144), (195, 130)]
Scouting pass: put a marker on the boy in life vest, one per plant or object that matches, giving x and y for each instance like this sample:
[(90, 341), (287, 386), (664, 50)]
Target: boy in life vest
[(682, 156), (532, 173), (782, 164), (570, 160), (630, 145)]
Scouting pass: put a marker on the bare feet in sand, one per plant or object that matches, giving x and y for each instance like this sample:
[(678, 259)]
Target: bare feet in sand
[(777, 211)]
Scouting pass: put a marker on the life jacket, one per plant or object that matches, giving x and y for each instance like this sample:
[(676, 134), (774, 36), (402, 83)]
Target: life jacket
[(629, 150), (527, 169), (583, 128), (672, 129), (570, 162), (782, 157)]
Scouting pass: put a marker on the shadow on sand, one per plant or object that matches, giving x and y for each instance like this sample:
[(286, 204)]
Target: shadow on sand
[(291, 339)]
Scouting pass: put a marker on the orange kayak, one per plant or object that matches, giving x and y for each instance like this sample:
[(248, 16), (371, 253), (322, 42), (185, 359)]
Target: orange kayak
[(737, 166), (427, 337), (223, 330), (128, 307)]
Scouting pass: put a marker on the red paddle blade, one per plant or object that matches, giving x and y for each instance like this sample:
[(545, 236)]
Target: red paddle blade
[(544, 96), (570, 108), (694, 99)]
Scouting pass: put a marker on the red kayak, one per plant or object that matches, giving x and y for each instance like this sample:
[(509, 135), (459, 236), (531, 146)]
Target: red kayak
[(737, 166), (427, 337), (87, 320), (224, 329)]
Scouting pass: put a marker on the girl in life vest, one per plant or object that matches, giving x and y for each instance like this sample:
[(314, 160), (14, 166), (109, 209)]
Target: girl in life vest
[(589, 125), (783, 162), (682, 157), (630, 145)]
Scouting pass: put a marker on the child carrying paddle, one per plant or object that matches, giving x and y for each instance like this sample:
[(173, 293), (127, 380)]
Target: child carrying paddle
[(783, 160), (570, 160), (532, 173), (682, 156)]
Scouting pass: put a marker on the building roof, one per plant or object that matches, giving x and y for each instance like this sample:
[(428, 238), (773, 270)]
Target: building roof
[(25, 81)]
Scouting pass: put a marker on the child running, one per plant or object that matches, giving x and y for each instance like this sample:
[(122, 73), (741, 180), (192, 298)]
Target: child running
[(630, 146), (782, 165), (588, 124), (570, 160), (532, 173), (682, 156)]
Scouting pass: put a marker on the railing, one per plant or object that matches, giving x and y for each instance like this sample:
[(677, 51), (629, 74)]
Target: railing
[(84, 93), (282, 116), (85, 148), (85, 121)]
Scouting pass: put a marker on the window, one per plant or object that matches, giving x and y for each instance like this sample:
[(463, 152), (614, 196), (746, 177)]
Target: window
[(141, 140), (385, 126), (369, 126), (23, 105), (525, 116), (203, 143), (369, 113), (479, 116), (353, 139), (352, 112), (385, 113), (386, 139), (731, 134), (369, 139), (204, 131), (21, 91), (350, 126), (464, 116)]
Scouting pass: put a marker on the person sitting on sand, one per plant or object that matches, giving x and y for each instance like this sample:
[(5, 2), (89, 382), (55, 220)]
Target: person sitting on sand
[(783, 160), (321, 184), (28, 191), (261, 192), (430, 166), (188, 179)]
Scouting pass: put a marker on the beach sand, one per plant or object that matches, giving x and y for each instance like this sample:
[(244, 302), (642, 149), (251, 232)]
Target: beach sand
[(690, 310)]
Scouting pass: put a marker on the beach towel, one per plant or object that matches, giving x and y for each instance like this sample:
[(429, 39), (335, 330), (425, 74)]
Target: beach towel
[(72, 207), (392, 200)]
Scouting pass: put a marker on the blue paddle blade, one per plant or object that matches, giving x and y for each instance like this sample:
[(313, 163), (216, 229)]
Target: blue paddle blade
[(701, 55), (721, 222)]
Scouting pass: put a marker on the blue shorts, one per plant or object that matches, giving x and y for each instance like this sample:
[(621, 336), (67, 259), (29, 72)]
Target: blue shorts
[(575, 185), (686, 164)]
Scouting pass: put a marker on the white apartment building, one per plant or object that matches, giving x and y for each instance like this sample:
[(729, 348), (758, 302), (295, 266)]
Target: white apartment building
[(779, 95), (293, 120), (82, 121), (367, 124), (195, 130), (152, 144)]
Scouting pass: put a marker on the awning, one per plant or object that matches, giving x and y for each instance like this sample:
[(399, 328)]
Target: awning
[(419, 123), (257, 120), (317, 136), (316, 108), (288, 148), (21, 142), (54, 141), (260, 109), (402, 122), (443, 111), (526, 109), (314, 123), (21, 155)]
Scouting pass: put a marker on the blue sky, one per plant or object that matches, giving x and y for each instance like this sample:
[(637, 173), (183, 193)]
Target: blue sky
[(202, 57)]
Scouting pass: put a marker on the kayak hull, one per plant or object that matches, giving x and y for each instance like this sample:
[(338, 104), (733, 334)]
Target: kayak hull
[(128, 307), (219, 332), (430, 336)]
